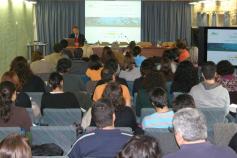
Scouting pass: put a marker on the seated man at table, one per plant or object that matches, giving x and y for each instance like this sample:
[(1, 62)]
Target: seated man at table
[(191, 135), (105, 141), (79, 38)]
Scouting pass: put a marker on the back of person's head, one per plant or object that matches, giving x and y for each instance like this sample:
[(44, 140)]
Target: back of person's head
[(183, 101), (22, 68), (132, 45), (172, 54), (233, 143), (166, 69), (94, 62), (12, 77), (64, 65), (209, 70), (7, 98), (112, 64), (154, 79), (224, 67), (103, 113), (128, 62), (15, 146), (107, 74), (64, 43), (107, 54), (147, 66), (181, 44), (57, 48), (137, 51), (189, 125), (158, 97), (37, 55), (141, 147), (185, 77), (55, 80), (114, 92), (78, 53)]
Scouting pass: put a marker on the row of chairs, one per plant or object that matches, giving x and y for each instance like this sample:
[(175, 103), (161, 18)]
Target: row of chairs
[(65, 136)]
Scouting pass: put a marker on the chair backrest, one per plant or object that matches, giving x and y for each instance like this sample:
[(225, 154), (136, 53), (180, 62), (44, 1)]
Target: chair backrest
[(79, 67), (35, 97), (63, 136), (84, 99), (5, 131), (223, 133), (61, 117), (213, 116), (73, 82), (146, 112), (233, 97), (125, 129), (165, 138)]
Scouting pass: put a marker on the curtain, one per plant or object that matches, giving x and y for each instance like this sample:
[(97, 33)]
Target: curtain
[(55, 19), (165, 21)]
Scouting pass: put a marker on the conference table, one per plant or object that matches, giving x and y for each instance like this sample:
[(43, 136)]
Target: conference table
[(146, 51)]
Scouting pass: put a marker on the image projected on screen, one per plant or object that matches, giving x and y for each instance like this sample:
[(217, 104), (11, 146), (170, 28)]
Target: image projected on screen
[(109, 21), (222, 45)]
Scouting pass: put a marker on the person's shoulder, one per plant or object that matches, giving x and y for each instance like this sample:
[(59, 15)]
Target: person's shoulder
[(225, 151)]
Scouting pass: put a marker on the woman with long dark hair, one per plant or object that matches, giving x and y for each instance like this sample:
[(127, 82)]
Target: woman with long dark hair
[(28, 81), (11, 115)]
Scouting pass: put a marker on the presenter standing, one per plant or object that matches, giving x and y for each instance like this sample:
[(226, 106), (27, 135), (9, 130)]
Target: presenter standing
[(79, 38)]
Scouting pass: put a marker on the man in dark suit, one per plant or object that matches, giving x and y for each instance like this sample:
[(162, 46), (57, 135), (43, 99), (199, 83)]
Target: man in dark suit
[(79, 38)]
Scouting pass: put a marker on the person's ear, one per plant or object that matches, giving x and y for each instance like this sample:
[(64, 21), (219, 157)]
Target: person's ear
[(179, 138)]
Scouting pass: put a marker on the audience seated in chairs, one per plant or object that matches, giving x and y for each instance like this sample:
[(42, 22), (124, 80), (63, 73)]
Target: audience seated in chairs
[(184, 53), (15, 146), (108, 75), (137, 56), (163, 117), (40, 65), (209, 93), (129, 70), (29, 82), (22, 99), (153, 79), (113, 64), (185, 77), (94, 68), (147, 67), (142, 147), (57, 98), (107, 54), (173, 55), (183, 101), (105, 141), (227, 79), (11, 115), (55, 56), (191, 134), (72, 82), (124, 115)]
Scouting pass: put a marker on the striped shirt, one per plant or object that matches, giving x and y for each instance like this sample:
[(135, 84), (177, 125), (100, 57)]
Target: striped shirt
[(158, 120)]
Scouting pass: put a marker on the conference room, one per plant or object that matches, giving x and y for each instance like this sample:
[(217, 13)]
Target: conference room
[(118, 78)]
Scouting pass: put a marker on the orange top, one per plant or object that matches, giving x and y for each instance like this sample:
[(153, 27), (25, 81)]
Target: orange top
[(100, 89), (184, 55), (94, 75)]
